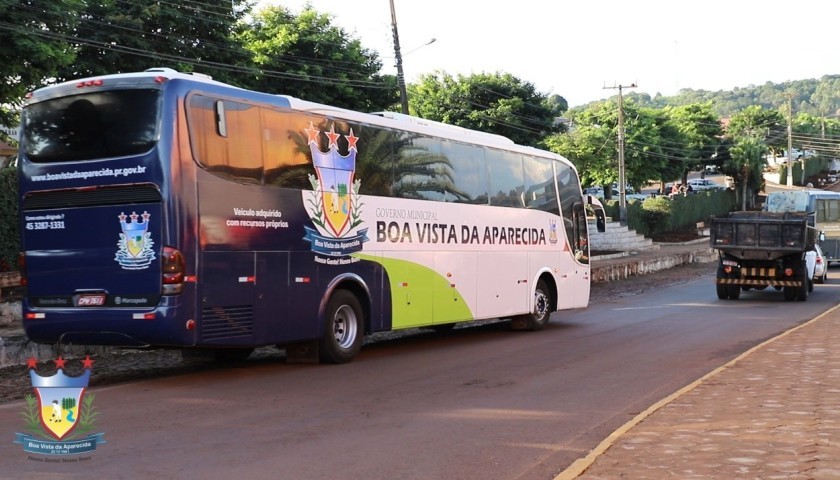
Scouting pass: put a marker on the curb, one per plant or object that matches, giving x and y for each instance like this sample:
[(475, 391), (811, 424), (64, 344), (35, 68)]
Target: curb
[(579, 466)]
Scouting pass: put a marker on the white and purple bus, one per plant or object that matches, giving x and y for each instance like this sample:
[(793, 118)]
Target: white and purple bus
[(163, 209)]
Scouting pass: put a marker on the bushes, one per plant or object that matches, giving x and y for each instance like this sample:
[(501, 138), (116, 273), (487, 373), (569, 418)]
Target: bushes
[(9, 238), (662, 214)]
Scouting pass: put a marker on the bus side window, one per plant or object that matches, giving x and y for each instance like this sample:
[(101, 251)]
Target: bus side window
[(236, 156), (507, 184)]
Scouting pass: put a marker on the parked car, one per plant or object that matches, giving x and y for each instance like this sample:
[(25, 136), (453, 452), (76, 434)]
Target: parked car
[(701, 184), (821, 266), (629, 193)]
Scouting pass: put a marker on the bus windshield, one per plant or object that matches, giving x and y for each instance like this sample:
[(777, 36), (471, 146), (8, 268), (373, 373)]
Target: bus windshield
[(91, 125)]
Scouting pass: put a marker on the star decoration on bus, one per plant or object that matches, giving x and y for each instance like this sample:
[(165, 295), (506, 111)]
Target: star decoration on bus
[(312, 133), (333, 137), (351, 141)]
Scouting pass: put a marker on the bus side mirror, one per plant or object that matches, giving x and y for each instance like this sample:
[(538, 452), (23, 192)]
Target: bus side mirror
[(598, 208), (822, 237)]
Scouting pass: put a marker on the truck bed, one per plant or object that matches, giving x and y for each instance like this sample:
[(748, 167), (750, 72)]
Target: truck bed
[(762, 235)]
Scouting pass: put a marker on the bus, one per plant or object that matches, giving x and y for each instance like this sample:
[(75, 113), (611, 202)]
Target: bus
[(163, 209), (824, 204)]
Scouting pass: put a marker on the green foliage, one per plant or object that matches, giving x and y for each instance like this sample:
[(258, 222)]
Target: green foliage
[(305, 56), (495, 103), (68, 402), (86, 417), (32, 48), (117, 36), (661, 214), (820, 97), (654, 214), (9, 239), (32, 416)]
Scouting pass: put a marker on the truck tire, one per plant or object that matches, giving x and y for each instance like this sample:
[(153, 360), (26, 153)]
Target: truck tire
[(790, 293), (722, 291), (734, 292), (802, 291)]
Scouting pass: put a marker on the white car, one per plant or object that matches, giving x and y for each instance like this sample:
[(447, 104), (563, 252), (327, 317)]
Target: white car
[(701, 184), (820, 266)]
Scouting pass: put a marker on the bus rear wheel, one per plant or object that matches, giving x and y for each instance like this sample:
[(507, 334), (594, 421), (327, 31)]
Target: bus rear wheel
[(343, 328)]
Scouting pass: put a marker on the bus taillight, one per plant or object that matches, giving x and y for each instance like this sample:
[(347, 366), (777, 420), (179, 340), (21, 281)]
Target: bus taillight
[(173, 268), (22, 268)]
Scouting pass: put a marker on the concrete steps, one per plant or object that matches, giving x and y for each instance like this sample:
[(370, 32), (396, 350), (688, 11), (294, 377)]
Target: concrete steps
[(618, 237)]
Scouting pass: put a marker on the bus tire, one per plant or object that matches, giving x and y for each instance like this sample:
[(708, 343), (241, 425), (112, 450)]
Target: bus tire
[(343, 328), (540, 313)]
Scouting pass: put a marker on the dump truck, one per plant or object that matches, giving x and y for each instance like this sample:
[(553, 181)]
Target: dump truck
[(769, 248)]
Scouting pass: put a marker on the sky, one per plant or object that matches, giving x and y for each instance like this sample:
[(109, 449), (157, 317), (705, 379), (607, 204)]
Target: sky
[(584, 50)]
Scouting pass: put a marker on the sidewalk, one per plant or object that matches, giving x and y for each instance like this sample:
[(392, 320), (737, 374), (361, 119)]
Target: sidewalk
[(773, 412)]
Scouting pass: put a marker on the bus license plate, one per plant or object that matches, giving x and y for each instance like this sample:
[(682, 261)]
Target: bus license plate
[(91, 301)]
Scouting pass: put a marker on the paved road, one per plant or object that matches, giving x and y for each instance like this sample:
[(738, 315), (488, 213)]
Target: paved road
[(480, 403)]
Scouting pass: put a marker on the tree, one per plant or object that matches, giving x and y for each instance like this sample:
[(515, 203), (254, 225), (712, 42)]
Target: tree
[(748, 130), (592, 144), (307, 57), (33, 47), (747, 158), (495, 103), (583, 146), (700, 131), (116, 36)]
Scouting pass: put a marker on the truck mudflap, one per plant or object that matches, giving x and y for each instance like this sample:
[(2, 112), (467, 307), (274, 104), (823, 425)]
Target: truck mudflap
[(755, 282), (759, 276)]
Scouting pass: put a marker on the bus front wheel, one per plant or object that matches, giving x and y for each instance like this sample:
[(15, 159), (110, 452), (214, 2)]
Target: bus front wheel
[(540, 313), (343, 330)]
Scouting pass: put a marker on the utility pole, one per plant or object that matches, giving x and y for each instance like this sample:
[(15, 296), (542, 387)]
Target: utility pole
[(622, 181), (398, 59), (790, 143)]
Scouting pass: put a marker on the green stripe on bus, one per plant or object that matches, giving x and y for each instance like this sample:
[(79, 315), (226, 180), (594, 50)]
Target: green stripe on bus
[(413, 288)]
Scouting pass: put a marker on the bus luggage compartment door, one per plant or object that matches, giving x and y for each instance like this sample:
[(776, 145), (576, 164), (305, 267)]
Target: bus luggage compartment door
[(227, 292)]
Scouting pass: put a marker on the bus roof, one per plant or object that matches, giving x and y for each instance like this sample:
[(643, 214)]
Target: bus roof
[(384, 119)]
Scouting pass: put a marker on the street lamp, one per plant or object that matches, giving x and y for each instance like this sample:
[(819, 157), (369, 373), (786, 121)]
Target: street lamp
[(431, 41)]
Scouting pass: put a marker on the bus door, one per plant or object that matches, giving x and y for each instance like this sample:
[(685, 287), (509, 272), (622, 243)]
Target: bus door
[(580, 248)]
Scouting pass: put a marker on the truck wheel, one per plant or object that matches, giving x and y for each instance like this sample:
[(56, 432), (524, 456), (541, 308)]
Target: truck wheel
[(790, 293), (802, 290), (734, 292), (722, 291), (343, 328)]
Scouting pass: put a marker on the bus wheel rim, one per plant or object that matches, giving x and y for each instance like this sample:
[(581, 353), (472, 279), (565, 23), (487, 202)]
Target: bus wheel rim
[(541, 305), (344, 326)]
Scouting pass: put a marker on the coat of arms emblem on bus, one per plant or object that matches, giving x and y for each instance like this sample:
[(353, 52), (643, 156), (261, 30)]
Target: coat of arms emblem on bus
[(60, 411), (334, 204), (135, 243)]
